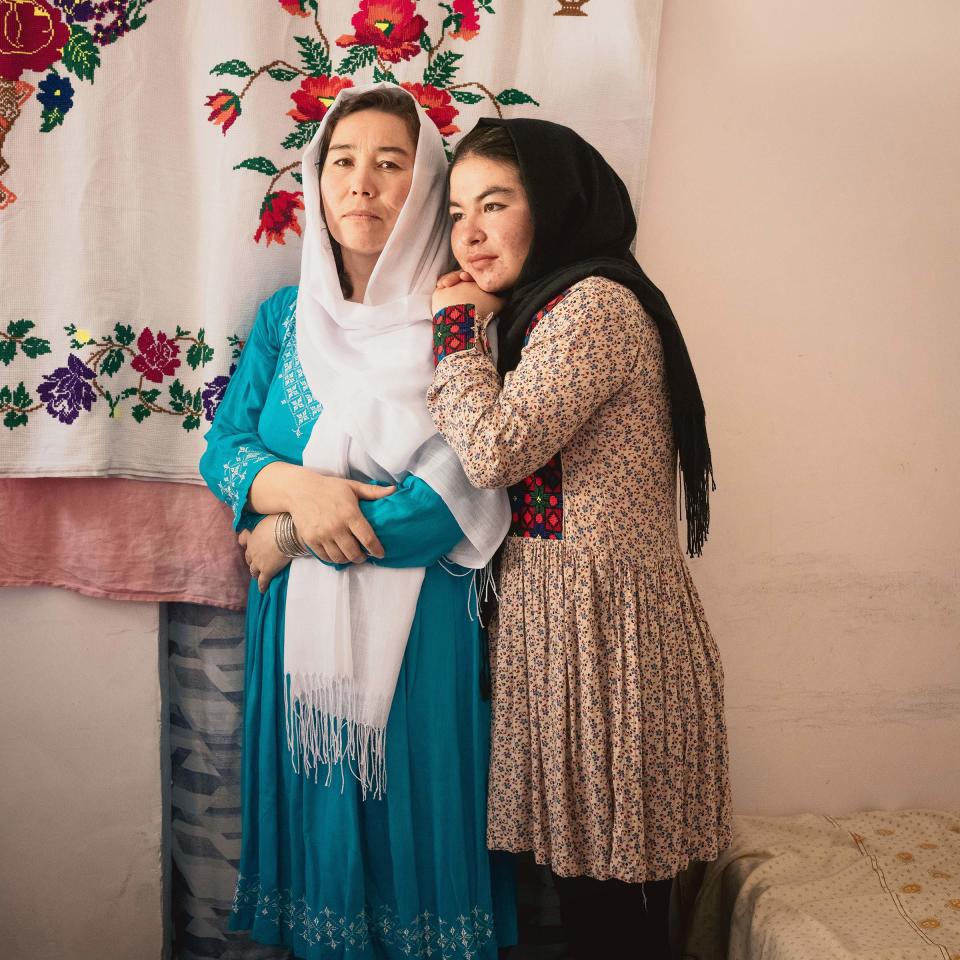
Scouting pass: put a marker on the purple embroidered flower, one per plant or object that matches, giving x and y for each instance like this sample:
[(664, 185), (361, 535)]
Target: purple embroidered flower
[(77, 11), (66, 390), (213, 393)]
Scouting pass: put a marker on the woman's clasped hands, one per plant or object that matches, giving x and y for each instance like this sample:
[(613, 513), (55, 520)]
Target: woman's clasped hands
[(326, 516)]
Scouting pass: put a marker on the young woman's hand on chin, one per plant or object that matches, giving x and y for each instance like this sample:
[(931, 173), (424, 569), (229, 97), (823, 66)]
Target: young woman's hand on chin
[(457, 287)]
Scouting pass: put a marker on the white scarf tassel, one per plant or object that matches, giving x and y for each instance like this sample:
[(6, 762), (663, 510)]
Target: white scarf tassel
[(323, 730)]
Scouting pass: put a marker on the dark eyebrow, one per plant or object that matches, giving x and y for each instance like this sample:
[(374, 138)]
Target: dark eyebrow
[(486, 193), (350, 146)]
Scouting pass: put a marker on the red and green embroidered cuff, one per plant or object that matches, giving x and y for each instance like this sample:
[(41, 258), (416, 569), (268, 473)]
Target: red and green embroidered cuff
[(454, 329)]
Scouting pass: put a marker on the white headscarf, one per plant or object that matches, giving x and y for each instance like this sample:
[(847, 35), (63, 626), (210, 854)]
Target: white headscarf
[(370, 364)]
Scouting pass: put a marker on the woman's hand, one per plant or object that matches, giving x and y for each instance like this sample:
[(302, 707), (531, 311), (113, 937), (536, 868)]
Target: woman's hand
[(325, 510), (465, 291), (326, 513), (454, 277), (261, 552)]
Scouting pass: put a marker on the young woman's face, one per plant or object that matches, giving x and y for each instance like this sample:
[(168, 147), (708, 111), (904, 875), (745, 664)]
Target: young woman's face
[(365, 179), (492, 224)]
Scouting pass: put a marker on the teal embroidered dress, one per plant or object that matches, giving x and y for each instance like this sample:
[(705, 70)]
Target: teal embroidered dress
[(322, 871)]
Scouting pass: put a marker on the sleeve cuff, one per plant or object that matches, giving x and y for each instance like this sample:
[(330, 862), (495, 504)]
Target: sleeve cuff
[(238, 475), (454, 330)]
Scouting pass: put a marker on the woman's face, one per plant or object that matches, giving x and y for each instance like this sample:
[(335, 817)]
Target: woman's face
[(365, 180), (492, 224)]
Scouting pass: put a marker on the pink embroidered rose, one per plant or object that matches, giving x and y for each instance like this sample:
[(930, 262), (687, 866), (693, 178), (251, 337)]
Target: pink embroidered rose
[(157, 357)]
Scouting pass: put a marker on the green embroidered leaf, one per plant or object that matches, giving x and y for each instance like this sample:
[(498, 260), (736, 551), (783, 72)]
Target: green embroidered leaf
[(296, 176), (112, 362), (20, 328), (191, 423), (5, 396), (80, 55), (232, 68), (8, 350), (510, 97), (71, 328), (180, 331), (487, 5), (260, 164), (123, 333), (282, 74), (147, 396), (360, 56), (383, 76), (33, 347), (188, 399), (51, 118), (314, 56), (301, 136), (442, 70), (425, 43), (140, 413), (465, 96), (135, 15), (13, 419), (199, 355), (21, 396), (176, 391)]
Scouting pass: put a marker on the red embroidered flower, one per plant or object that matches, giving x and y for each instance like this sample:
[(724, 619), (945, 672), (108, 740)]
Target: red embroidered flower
[(315, 96), (157, 357), (469, 19), (438, 105), (392, 26), (32, 37), (295, 7), (226, 108), (279, 214)]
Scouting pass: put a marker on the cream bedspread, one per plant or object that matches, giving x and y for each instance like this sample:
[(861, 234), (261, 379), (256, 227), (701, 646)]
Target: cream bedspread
[(880, 885)]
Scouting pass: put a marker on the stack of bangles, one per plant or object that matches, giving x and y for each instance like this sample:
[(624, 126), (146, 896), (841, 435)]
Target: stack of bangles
[(288, 543)]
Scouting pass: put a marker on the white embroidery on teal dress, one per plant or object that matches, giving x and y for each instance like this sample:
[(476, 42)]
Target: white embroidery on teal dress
[(298, 397), (235, 473), (426, 935)]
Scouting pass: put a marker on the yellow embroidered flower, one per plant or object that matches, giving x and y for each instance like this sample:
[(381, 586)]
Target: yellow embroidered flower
[(886, 832), (83, 336), (905, 857), (931, 923), (928, 846), (954, 903), (117, 412), (941, 875), (911, 888)]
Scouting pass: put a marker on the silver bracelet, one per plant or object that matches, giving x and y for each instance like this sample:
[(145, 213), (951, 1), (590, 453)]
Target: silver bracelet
[(285, 534)]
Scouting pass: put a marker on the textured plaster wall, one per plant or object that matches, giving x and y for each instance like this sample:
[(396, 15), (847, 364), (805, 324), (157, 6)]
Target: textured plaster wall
[(802, 213), (80, 778)]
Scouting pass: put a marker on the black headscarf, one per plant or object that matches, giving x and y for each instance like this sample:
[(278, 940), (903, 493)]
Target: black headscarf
[(583, 227)]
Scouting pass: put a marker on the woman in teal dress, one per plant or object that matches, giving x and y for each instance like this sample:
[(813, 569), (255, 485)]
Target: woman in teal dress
[(338, 859)]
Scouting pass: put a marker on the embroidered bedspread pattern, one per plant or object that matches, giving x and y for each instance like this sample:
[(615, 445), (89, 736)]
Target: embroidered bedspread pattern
[(148, 202), (879, 885)]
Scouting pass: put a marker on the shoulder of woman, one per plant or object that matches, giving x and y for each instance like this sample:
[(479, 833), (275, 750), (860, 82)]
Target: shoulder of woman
[(280, 300), (598, 300)]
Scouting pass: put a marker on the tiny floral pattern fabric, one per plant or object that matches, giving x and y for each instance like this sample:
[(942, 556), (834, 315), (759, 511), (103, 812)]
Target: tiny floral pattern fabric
[(609, 744)]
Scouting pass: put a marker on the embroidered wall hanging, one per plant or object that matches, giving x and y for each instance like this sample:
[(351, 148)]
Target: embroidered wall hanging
[(149, 156)]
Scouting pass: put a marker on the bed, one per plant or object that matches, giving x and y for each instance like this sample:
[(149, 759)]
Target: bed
[(881, 885)]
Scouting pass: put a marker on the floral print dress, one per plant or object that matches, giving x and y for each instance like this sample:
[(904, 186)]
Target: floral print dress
[(609, 746)]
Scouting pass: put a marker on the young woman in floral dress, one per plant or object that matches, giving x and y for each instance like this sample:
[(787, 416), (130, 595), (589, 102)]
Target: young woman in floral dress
[(609, 748)]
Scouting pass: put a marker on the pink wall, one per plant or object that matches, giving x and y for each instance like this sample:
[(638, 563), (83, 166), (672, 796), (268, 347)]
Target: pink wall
[(802, 212)]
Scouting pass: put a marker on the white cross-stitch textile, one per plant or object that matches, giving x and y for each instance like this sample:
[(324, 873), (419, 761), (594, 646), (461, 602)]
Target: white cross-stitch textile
[(149, 192)]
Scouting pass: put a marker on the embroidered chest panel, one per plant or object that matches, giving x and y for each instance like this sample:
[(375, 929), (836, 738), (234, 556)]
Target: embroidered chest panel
[(536, 502), (298, 398)]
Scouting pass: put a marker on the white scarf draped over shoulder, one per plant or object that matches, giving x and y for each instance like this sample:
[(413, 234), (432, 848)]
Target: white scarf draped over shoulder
[(370, 364)]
